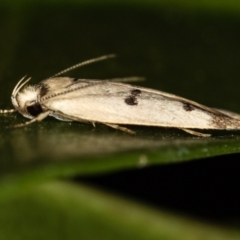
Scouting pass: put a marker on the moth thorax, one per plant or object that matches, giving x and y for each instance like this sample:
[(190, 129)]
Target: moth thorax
[(26, 101)]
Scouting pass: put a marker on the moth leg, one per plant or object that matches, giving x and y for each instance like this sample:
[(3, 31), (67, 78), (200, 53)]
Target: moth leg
[(120, 128), (94, 125), (4, 111), (38, 118), (199, 134)]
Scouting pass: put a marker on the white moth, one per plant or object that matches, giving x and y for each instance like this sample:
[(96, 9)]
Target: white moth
[(113, 103)]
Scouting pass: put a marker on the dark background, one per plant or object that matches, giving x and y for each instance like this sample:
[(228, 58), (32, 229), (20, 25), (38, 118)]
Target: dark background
[(194, 54)]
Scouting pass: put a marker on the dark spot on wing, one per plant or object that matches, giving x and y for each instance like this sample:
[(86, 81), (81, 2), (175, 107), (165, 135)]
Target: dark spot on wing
[(34, 109), (136, 92), (75, 79), (131, 100), (43, 89), (188, 107)]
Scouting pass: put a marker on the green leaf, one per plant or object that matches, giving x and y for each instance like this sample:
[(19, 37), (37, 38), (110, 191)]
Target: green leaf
[(73, 212)]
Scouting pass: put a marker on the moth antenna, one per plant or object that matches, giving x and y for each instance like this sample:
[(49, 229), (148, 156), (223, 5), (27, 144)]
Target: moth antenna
[(85, 63), (16, 89), (19, 85), (128, 79), (19, 82)]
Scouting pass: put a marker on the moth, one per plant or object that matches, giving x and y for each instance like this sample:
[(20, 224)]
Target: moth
[(114, 103)]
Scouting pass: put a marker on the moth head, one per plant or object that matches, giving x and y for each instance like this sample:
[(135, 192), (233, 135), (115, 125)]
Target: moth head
[(25, 99)]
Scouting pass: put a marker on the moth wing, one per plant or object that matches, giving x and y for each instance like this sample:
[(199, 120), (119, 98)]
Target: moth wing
[(51, 86), (56, 83), (230, 114), (112, 102)]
